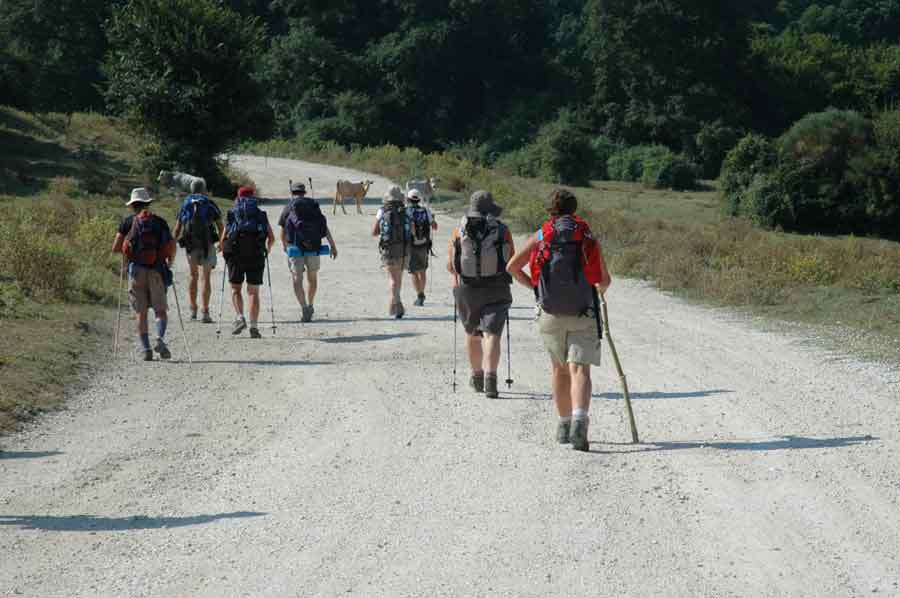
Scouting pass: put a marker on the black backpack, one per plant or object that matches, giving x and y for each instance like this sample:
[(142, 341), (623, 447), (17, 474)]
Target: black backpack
[(305, 225), (199, 232), (563, 288), (420, 226), (247, 231)]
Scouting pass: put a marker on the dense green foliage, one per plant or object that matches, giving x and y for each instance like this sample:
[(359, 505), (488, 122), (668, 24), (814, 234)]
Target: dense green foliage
[(551, 89)]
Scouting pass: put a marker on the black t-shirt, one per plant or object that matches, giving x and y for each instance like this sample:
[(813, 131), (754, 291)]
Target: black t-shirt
[(125, 225)]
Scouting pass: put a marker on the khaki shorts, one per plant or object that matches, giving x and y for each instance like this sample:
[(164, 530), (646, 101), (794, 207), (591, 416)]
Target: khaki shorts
[(146, 289), (195, 258), (395, 263), (304, 263), (570, 339), (418, 259)]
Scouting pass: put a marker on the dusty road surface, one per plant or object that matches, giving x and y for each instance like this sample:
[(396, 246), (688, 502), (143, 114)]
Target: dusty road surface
[(332, 459)]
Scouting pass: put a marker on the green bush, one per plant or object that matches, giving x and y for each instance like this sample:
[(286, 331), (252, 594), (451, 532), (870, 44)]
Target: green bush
[(628, 164), (712, 144), (603, 148), (38, 263), (666, 170), (754, 155)]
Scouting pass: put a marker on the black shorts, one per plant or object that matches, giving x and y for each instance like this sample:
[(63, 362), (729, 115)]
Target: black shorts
[(252, 271)]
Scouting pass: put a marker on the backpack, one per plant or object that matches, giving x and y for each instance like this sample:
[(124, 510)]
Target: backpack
[(420, 227), (198, 232), (394, 225), (480, 253), (145, 241), (247, 231), (305, 225), (558, 267)]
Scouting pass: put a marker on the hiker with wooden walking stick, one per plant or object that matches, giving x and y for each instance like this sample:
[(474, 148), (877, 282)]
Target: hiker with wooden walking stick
[(566, 269)]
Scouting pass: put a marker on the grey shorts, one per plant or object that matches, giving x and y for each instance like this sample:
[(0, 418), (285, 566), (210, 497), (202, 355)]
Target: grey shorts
[(483, 311), (146, 289), (196, 258), (304, 263), (418, 259), (570, 339)]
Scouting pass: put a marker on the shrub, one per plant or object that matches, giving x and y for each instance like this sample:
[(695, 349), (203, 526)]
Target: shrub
[(754, 155), (713, 142), (38, 263), (628, 164), (665, 170), (603, 148)]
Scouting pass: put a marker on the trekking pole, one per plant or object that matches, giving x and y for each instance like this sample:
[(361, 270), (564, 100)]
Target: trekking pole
[(311, 193), (119, 310), (454, 339), (509, 380), (271, 301), (221, 301), (187, 348), (598, 297)]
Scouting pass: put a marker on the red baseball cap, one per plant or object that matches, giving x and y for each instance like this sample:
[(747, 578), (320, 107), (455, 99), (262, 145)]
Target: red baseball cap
[(245, 192)]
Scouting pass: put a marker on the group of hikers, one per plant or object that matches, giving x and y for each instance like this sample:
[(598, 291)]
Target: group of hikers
[(565, 271)]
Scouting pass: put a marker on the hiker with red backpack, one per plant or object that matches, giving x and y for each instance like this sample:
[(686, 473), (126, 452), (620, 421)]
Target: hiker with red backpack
[(245, 243), (303, 226), (422, 223), (198, 230), (479, 250), (392, 227), (148, 246), (566, 273)]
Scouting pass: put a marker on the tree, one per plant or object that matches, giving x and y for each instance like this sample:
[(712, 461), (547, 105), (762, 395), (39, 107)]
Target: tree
[(183, 71)]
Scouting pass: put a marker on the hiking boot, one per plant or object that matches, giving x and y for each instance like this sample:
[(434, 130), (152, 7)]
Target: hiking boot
[(477, 382), (420, 300), (162, 349), (207, 319), (193, 314), (490, 386), (239, 325), (307, 313), (148, 354), (579, 435), (400, 311), (562, 431), (254, 333)]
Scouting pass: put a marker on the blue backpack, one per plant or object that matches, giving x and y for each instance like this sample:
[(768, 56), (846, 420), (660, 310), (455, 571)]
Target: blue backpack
[(305, 226), (247, 231), (199, 232)]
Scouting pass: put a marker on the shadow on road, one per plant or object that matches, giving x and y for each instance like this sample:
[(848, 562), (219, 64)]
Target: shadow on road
[(780, 444), (368, 338), (90, 523), (697, 394), (28, 454), (263, 362)]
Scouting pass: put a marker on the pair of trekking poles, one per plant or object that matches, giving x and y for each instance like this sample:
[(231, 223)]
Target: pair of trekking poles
[(601, 316), (187, 348)]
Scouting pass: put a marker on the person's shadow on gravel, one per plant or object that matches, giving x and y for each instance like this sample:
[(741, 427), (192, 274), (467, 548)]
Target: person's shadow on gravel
[(28, 454), (780, 444), (89, 523)]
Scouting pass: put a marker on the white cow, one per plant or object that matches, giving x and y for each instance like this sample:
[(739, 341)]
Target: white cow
[(357, 191), (425, 187), (180, 181)]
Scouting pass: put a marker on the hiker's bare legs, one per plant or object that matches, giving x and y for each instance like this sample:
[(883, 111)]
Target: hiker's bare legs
[(492, 352), (396, 285), (142, 323), (580, 375), (562, 389), (253, 297), (475, 352), (207, 288), (237, 299), (299, 293), (312, 279), (192, 286), (419, 279)]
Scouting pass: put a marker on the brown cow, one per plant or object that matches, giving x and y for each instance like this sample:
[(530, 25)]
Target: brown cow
[(357, 191)]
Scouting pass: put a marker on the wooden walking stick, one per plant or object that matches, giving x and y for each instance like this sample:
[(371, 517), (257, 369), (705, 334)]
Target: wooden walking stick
[(615, 355)]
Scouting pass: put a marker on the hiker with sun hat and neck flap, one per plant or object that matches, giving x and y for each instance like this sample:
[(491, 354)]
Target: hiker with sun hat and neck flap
[(147, 244)]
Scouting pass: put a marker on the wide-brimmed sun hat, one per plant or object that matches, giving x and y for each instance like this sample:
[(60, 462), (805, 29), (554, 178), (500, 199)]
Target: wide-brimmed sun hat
[(481, 203), (414, 195), (139, 195), (395, 193)]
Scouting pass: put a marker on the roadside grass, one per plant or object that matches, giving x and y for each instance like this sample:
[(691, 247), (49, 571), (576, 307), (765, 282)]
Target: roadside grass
[(682, 242), (63, 182)]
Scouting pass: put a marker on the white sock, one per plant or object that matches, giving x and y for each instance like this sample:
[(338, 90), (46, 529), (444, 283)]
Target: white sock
[(580, 414), (565, 420), (253, 324)]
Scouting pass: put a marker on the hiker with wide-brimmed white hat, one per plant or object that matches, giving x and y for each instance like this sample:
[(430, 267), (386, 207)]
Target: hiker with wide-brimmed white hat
[(148, 246), (392, 227), (477, 255), (566, 273)]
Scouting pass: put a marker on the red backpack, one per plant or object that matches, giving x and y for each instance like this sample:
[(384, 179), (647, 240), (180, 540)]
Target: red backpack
[(147, 241)]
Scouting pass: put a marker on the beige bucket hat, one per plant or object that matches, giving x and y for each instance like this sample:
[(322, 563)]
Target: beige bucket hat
[(139, 195)]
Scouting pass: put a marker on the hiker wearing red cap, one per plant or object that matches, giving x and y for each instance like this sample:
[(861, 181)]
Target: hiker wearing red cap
[(566, 271), (246, 241)]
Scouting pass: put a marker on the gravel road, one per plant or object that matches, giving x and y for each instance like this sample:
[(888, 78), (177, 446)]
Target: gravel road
[(333, 459)]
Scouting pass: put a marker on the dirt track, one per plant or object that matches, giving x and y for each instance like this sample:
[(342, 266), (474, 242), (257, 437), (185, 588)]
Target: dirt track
[(332, 459)]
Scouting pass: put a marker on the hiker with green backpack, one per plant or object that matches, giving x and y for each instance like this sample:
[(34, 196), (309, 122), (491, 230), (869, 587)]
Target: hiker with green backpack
[(566, 273), (303, 226), (148, 247), (246, 241), (479, 250), (392, 227), (422, 224), (198, 230)]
